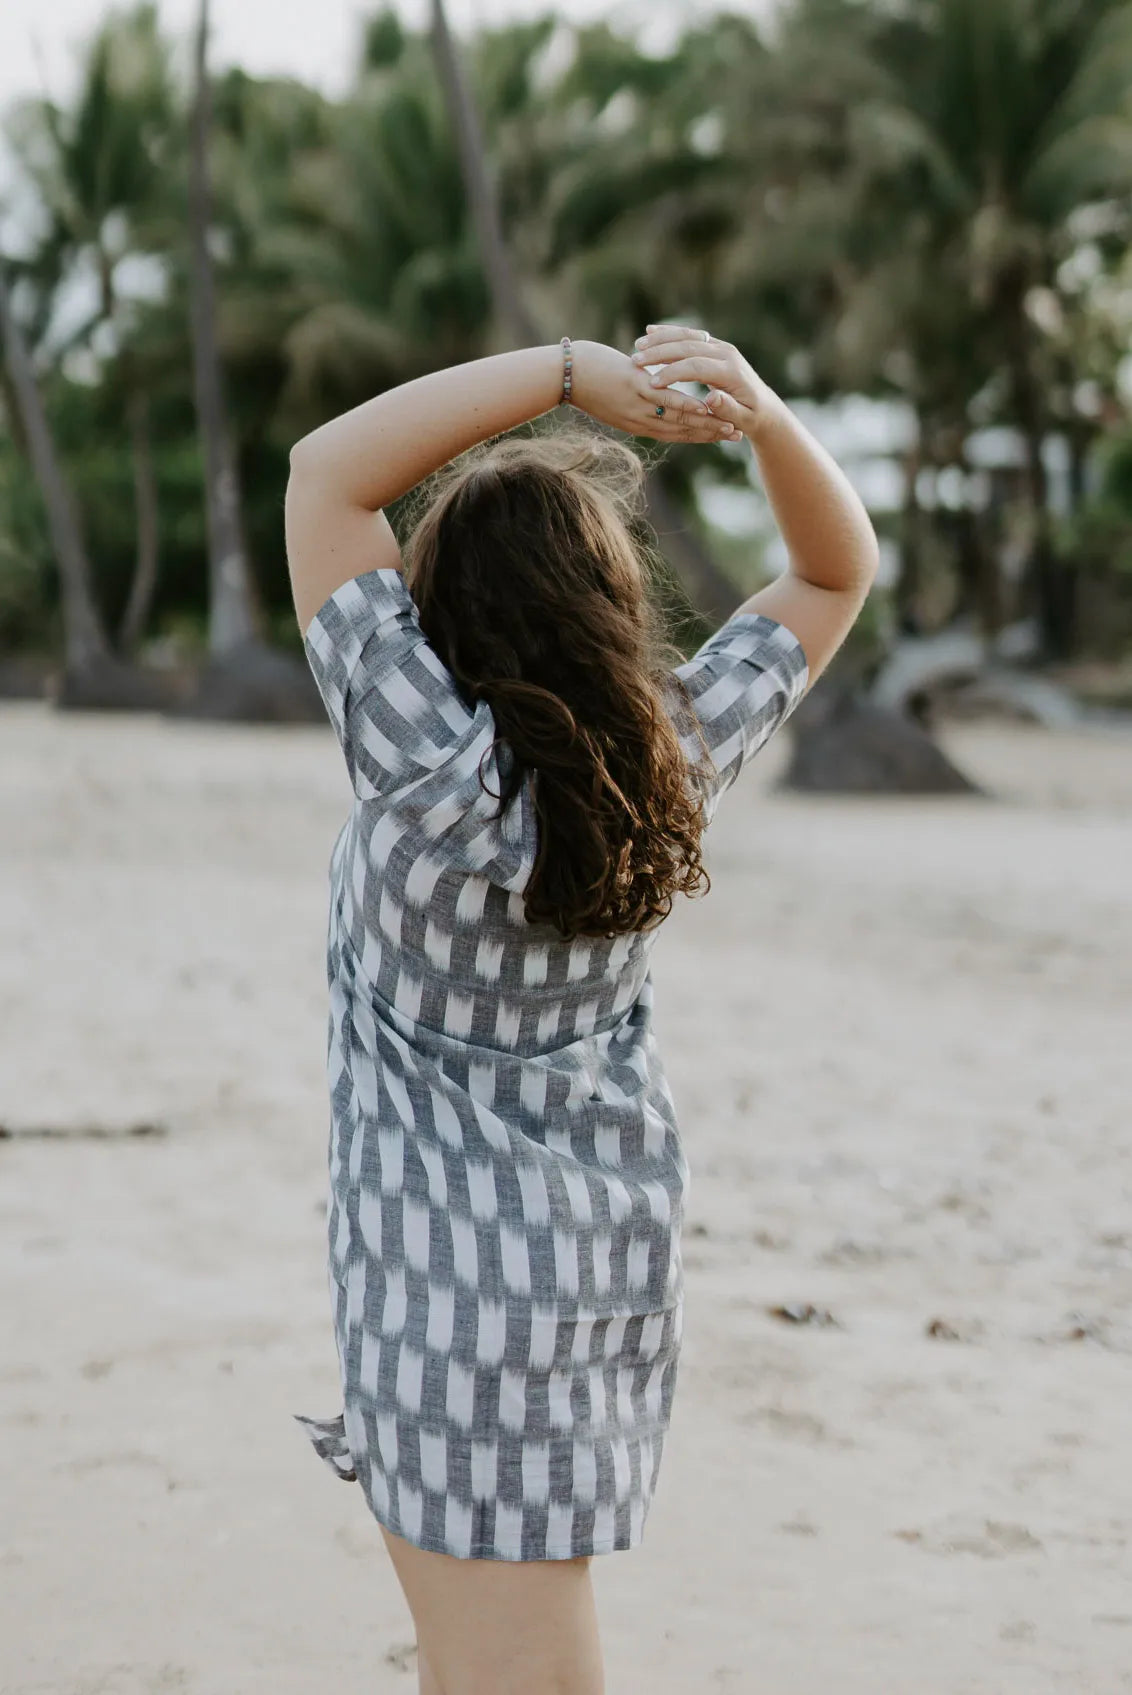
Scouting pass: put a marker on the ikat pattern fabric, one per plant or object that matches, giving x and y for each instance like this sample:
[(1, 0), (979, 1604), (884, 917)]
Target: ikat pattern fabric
[(507, 1179)]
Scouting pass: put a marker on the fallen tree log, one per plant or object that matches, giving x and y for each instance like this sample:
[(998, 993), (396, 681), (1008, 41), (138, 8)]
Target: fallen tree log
[(997, 692), (959, 672)]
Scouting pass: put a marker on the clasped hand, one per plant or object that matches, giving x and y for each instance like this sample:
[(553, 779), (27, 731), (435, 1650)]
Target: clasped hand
[(635, 394)]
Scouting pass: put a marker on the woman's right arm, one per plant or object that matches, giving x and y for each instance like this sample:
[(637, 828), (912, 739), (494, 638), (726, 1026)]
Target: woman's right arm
[(828, 535)]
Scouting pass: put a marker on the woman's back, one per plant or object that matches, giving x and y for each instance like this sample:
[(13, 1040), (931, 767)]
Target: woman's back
[(507, 1176), (431, 868)]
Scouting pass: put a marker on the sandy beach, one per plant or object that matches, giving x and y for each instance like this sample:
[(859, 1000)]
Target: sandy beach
[(900, 1038)]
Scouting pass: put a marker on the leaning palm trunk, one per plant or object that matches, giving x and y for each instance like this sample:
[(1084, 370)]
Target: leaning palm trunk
[(510, 309), (144, 584), (1048, 580), (244, 678), (708, 588), (232, 619), (85, 641)]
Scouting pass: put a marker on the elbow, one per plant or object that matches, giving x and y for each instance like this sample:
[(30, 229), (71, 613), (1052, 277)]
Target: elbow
[(301, 451), (868, 560)]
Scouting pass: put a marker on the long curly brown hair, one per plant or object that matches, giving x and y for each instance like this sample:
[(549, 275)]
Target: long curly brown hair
[(532, 590)]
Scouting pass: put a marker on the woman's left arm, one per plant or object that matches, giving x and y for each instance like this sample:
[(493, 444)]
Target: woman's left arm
[(344, 472)]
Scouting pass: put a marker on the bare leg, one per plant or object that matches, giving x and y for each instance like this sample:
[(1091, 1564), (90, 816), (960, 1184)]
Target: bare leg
[(429, 1685), (501, 1627)]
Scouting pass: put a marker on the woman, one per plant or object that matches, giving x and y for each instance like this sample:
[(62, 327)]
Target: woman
[(531, 785)]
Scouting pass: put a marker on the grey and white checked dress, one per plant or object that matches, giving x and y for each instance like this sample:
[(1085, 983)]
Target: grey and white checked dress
[(507, 1181)]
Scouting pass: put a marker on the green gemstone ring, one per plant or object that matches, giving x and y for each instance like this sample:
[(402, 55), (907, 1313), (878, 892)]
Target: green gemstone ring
[(660, 411)]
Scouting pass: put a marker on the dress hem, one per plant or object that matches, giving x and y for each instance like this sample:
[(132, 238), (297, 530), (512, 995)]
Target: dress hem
[(623, 1545), (328, 1439)]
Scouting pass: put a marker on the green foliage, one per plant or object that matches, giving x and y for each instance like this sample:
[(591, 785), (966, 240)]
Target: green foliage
[(927, 201), (383, 41)]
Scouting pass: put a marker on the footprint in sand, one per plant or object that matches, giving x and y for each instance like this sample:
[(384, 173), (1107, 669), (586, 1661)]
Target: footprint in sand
[(795, 1426), (989, 1539), (11, 1374), (1017, 1630), (402, 1655)]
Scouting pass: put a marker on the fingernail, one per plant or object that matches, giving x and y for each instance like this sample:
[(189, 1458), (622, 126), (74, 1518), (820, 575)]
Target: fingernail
[(638, 358), (657, 381), (640, 341)]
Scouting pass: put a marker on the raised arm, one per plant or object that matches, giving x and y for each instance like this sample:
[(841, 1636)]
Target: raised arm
[(347, 470), (828, 535)]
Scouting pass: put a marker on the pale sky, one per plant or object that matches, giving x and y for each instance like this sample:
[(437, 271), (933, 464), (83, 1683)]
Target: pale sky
[(313, 38)]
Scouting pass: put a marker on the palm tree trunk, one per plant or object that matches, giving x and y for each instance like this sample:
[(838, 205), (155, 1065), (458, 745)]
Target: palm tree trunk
[(85, 638), (9, 402), (909, 582), (979, 567), (143, 587), (509, 309), (980, 586), (1081, 435), (1047, 581), (232, 614), (709, 589), (1053, 585)]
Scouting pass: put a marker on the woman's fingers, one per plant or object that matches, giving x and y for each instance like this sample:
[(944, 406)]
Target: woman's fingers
[(690, 435), (681, 408), (675, 401), (668, 354), (715, 372), (657, 335), (682, 429), (680, 347), (688, 428), (671, 415), (727, 408)]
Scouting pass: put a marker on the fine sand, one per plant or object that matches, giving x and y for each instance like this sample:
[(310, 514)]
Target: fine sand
[(899, 1036)]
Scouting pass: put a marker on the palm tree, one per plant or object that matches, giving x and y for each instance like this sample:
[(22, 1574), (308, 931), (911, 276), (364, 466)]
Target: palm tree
[(1006, 118), (87, 648), (364, 235), (99, 172)]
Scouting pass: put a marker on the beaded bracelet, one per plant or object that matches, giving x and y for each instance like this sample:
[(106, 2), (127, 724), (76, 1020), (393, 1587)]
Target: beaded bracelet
[(567, 371)]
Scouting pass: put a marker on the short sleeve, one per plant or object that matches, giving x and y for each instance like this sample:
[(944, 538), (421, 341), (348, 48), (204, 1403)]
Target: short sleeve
[(743, 684), (394, 706)]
